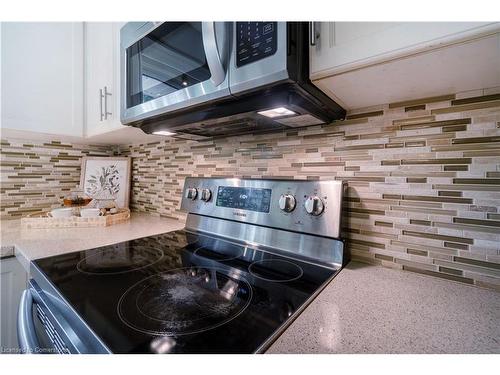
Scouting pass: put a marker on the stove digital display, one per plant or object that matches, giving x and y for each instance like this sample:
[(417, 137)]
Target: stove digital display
[(250, 199)]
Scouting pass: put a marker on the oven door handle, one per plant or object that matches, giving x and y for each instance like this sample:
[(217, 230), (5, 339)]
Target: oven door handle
[(28, 342), (212, 53)]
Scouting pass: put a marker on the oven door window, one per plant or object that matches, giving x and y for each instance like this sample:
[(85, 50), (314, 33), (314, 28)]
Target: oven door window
[(168, 59)]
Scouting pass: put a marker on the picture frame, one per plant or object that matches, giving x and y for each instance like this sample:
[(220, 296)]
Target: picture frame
[(107, 178)]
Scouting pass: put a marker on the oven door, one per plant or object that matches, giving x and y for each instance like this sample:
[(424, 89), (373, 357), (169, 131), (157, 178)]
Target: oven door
[(47, 325), (166, 66)]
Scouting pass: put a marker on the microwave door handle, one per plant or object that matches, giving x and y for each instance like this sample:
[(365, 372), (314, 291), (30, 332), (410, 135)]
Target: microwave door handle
[(28, 342), (212, 53)]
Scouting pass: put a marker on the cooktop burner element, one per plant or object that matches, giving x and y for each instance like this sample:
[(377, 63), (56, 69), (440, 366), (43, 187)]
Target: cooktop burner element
[(119, 259), (184, 301), (221, 254), (277, 270)]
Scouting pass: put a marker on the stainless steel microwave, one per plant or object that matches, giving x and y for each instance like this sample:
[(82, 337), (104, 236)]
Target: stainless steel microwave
[(208, 79)]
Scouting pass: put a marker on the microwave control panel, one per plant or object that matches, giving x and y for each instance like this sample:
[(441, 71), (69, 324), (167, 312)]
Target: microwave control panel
[(255, 41)]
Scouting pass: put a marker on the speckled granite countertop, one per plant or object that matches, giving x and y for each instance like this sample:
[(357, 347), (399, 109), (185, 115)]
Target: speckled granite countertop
[(39, 243), (371, 309), (365, 309)]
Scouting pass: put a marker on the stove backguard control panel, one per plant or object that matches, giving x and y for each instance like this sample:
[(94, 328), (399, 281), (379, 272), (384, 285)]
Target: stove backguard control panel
[(244, 198), (255, 41), (313, 207)]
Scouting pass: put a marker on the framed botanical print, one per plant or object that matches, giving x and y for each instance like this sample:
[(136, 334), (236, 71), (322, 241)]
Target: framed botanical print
[(107, 178)]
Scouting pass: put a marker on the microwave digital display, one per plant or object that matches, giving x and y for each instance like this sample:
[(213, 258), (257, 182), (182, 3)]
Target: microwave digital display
[(255, 41), (250, 199)]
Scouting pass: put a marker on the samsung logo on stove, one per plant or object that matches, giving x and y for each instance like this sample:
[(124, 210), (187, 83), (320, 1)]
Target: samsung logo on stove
[(242, 214)]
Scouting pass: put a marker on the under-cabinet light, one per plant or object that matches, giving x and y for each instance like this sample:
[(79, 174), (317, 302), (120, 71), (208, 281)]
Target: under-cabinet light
[(163, 132), (277, 112)]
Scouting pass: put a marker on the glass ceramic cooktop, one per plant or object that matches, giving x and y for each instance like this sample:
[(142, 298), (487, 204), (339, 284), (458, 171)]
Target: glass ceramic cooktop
[(183, 293)]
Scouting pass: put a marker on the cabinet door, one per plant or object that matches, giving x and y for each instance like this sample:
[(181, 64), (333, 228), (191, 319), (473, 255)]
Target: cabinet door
[(102, 77), (13, 282), (345, 46), (116, 75), (42, 77), (454, 68)]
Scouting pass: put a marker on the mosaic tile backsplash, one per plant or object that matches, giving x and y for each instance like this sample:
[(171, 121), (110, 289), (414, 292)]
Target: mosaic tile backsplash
[(423, 179), (36, 175)]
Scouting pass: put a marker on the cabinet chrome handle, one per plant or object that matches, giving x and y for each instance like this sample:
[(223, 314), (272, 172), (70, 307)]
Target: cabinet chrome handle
[(313, 34), (105, 96), (101, 96)]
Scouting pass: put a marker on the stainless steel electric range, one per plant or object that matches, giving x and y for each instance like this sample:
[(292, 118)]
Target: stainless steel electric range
[(251, 257)]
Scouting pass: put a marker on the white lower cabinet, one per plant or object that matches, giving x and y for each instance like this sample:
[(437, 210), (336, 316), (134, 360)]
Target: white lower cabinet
[(13, 282)]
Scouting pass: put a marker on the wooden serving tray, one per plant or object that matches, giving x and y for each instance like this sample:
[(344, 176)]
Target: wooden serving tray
[(40, 220)]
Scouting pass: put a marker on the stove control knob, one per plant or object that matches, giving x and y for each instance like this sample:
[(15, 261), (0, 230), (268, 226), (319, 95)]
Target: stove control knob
[(206, 194), (314, 205), (287, 202), (191, 193)]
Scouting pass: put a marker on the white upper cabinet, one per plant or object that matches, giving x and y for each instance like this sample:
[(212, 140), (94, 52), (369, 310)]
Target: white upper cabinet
[(63, 80), (360, 64), (344, 46), (42, 77), (102, 77)]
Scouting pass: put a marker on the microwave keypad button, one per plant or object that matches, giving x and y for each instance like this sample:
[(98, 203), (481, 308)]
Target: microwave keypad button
[(251, 46)]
